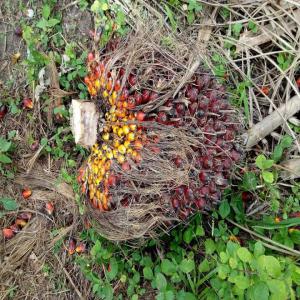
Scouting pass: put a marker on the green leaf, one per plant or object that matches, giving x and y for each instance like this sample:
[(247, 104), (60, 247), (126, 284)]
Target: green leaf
[(271, 264), (236, 28), (200, 231), (170, 16), (169, 295), (4, 145), (190, 17), (277, 288), (53, 22), (108, 292), (46, 11), (224, 257), (252, 26), (182, 295), (161, 281), (187, 265), (242, 282), (147, 272), (167, 267), (259, 249), (113, 269), (210, 246), (244, 254), (204, 266), (9, 204), (268, 176), (224, 209), (260, 291), (42, 24), (188, 235), (286, 141), (260, 159), (249, 181), (5, 159), (277, 153)]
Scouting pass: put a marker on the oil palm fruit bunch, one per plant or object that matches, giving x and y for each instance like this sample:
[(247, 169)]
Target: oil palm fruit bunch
[(201, 109)]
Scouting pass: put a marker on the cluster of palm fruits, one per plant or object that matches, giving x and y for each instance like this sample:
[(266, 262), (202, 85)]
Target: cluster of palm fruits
[(201, 109), (20, 222), (120, 138)]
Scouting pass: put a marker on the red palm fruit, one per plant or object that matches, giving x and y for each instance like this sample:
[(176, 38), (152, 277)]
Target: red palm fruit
[(199, 83), (298, 82), (138, 98), (189, 194), (295, 214), (193, 108), (90, 57), (212, 187), (25, 215), (126, 166), (27, 103), (204, 191), (234, 155), (203, 103), (175, 203), (145, 96), (121, 72), (34, 146), (21, 222), (117, 86), (153, 96), (184, 213), (124, 94), (229, 135), (125, 201), (19, 31), (227, 163), (204, 177), (80, 248), (112, 180), (71, 246), (131, 102), (140, 116), (14, 228), (180, 109), (49, 208), (192, 94), (7, 233), (161, 117), (132, 79), (109, 85), (246, 196), (265, 90), (207, 162), (26, 193), (3, 111), (178, 161), (80, 175), (138, 144), (200, 203)]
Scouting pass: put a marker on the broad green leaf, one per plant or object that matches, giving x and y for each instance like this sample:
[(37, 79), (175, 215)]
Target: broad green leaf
[(9, 204), (260, 291), (42, 24), (204, 266), (52, 22), (46, 11), (170, 16), (286, 141), (224, 209), (161, 281), (210, 246), (5, 159), (169, 295), (260, 159), (190, 17), (271, 264), (187, 265), (223, 271), (268, 176), (168, 267), (242, 282), (4, 145), (249, 181), (233, 263), (295, 236), (108, 292), (259, 249), (236, 28), (188, 235), (182, 295), (277, 289), (113, 269), (244, 254), (224, 257), (147, 272), (200, 231)]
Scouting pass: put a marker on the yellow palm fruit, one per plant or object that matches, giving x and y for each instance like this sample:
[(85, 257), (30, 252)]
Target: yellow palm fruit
[(111, 100), (130, 136), (95, 169), (105, 94), (113, 118), (115, 129), (109, 155), (105, 136), (114, 95), (134, 154), (98, 180), (116, 143), (132, 127), (126, 144), (98, 193), (125, 119), (100, 153), (122, 149), (107, 165), (126, 129), (115, 153), (97, 84), (92, 193), (120, 132), (121, 158), (129, 150), (112, 109), (104, 147), (102, 81)]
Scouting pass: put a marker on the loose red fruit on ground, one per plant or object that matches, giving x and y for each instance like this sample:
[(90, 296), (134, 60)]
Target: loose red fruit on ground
[(90, 57), (7, 233), (34, 146), (131, 79), (80, 248), (49, 208), (27, 103), (178, 161), (161, 117), (19, 31), (21, 222), (246, 196), (298, 82), (26, 193), (126, 166), (25, 216), (153, 96), (265, 90), (140, 116), (14, 228), (71, 246), (3, 111)]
